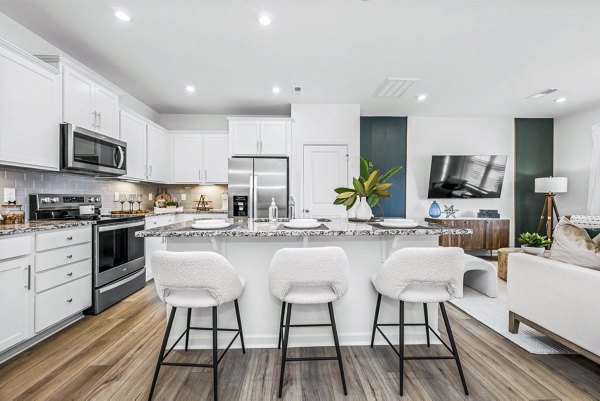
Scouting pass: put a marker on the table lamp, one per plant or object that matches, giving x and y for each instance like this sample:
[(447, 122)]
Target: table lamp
[(550, 186)]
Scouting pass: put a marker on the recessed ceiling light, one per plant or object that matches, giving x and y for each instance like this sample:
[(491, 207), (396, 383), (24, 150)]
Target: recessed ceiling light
[(264, 19), (422, 98), (122, 16), (560, 100), (276, 89), (190, 89)]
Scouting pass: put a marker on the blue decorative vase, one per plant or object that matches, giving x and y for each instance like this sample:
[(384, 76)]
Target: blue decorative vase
[(434, 210)]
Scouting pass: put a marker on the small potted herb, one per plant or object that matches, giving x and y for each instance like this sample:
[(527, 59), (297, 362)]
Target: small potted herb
[(171, 205), (533, 243)]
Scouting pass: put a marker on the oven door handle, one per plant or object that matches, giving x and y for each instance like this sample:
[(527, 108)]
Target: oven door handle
[(114, 227), (121, 282)]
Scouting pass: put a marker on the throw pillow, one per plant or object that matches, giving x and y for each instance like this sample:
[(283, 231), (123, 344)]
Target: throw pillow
[(593, 232), (572, 244)]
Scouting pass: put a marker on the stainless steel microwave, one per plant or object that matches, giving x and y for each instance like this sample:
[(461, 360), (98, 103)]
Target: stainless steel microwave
[(88, 152)]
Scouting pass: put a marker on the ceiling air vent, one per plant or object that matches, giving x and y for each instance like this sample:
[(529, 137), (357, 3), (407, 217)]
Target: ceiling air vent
[(541, 94), (394, 87)]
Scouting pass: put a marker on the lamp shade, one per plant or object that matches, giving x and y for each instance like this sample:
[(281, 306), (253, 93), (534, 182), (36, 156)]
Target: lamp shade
[(554, 185)]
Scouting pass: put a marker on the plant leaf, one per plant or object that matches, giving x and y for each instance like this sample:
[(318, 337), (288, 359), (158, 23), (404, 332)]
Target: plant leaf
[(381, 187), (342, 189), (338, 201), (390, 173), (358, 186), (346, 195), (372, 181), (372, 200), (364, 168)]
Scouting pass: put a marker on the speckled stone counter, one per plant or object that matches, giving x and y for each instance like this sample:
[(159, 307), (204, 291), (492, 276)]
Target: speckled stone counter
[(185, 211), (334, 227), (39, 225)]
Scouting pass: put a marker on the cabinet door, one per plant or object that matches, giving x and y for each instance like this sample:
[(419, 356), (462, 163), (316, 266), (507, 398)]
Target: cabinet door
[(78, 99), (498, 233), (216, 157), (245, 137), (106, 105), (273, 137), (29, 113), (133, 131), (187, 158), (158, 153), (15, 302)]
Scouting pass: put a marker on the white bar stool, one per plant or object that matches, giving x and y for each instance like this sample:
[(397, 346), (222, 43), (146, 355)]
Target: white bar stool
[(196, 280), (421, 275), (308, 276)]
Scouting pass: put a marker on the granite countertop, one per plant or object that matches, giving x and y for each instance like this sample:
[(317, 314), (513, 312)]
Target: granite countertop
[(40, 225), (167, 213), (333, 227)]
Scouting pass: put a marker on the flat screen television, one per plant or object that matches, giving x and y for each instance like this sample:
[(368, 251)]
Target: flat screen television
[(466, 176)]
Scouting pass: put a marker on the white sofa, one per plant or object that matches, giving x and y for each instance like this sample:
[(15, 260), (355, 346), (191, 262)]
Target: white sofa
[(558, 299)]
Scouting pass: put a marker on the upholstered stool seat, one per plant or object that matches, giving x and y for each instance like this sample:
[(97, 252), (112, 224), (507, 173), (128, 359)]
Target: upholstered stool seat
[(308, 276), (196, 280), (420, 275)]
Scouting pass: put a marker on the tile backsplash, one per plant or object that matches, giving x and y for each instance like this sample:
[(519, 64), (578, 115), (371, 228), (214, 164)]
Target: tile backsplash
[(30, 182)]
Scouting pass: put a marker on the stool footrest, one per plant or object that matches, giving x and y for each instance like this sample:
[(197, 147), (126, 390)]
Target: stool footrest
[(312, 358), (210, 328)]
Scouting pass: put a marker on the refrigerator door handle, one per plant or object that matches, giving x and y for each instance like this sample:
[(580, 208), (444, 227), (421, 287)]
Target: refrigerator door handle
[(250, 198), (255, 198)]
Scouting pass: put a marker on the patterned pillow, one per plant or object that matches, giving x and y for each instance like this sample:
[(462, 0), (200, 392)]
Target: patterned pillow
[(593, 232), (572, 244)]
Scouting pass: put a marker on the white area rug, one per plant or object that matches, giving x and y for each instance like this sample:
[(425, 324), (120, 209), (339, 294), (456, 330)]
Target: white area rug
[(493, 312)]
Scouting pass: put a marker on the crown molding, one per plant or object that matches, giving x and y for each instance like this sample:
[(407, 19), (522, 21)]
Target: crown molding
[(4, 44)]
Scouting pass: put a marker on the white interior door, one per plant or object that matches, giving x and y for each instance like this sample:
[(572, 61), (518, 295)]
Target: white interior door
[(325, 168)]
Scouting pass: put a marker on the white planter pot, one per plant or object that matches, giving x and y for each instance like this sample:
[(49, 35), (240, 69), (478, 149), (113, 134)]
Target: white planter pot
[(363, 211), (533, 250)]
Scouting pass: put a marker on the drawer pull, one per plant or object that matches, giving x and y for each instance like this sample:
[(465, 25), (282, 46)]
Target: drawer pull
[(69, 300), (69, 256), (69, 274), (69, 238)]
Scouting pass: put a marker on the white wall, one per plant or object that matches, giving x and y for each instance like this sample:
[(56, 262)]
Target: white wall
[(427, 136), (323, 124), (573, 157), (200, 122)]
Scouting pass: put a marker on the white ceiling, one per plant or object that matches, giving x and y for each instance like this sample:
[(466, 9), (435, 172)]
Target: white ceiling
[(476, 58)]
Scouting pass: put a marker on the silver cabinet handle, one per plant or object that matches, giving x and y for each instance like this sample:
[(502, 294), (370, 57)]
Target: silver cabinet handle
[(261, 147), (205, 175), (95, 124), (257, 146), (69, 256), (306, 210), (69, 274), (150, 171), (69, 300), (99, 120), (69, 238), (28, 286), (199, 175)]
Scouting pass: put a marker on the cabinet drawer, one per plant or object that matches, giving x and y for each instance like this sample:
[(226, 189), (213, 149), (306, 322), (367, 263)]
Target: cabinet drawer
[(160, 221), (57, 239), (58, 257), (13, 247), (62, 275), (61, 302)]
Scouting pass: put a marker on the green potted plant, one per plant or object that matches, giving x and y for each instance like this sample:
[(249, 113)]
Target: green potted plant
[(171, 205), (368, 189), (533, 243)]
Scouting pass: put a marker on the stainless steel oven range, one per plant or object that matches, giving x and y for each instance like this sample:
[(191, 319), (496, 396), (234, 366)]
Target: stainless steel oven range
[(117, 255)]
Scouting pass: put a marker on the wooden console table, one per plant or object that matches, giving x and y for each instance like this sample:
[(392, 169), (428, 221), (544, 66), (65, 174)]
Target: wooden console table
[(488, 234)]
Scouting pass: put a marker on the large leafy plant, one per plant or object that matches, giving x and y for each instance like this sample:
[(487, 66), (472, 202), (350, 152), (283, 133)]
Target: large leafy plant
[(534, 240), (370, 185)]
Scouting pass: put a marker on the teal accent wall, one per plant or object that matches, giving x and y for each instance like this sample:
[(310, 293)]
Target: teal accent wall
[(383, 141), (534, 155)]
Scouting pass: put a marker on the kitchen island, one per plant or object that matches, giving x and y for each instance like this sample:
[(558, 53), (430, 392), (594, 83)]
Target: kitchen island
[(250, 244)]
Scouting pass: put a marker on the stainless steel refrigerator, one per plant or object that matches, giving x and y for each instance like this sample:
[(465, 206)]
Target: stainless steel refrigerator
[(253, 182)]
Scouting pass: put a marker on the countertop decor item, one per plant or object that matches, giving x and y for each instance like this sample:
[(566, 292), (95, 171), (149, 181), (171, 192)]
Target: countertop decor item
[(203, 204), (161, 199), (367, 189), (550, 186), (434, 210), (11, 213), (533, 243), (450, 211)]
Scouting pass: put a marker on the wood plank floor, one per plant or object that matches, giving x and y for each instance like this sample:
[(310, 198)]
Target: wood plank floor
[(112, 357)]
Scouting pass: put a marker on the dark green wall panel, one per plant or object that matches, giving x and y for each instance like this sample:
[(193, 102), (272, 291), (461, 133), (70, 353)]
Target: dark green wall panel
[(383, 141), (534, 154)]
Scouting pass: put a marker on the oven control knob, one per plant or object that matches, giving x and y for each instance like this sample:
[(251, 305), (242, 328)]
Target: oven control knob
[(45, 200), (96, 199), (54, 200), (90, 199)]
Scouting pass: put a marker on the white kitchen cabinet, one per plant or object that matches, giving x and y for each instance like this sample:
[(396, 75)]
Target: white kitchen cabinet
[(268, 137), (29, 110), (156, 244), (158, 151), (200, 158), (89, 104), (133, 131), (15, 301)]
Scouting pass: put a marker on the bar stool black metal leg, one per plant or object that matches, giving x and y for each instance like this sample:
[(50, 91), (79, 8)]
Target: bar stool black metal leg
[(281, 325), (215, 355), (453, 345), (162, 351), (401, 348), (426, 313), (337, 346), (239, 321), (375, 320), (285, 344), (187, 332)]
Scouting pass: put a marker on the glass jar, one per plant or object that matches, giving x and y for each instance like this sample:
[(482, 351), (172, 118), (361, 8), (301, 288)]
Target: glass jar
[(11, 214)]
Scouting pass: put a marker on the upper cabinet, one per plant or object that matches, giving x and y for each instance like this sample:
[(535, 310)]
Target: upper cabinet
[(257, 136), (89, 101), (200, 158), (29, 110), (133, 131), (158, 154)]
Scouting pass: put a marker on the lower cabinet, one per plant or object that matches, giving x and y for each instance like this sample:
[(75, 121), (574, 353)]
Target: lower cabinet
[(15, 301), (59, 303), (488, 234)]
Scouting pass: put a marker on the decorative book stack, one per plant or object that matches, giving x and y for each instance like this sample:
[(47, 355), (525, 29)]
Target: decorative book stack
[(488, 214)]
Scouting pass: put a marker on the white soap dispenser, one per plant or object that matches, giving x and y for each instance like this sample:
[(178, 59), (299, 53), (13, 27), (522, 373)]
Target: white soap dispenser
[(273, 212)]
